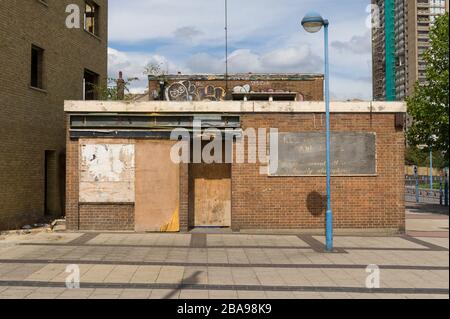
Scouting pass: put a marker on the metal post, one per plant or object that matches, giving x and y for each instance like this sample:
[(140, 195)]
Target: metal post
[(441, 194), (416, 176), (329, 213), (226, 47), (446, 187), (431, 169)]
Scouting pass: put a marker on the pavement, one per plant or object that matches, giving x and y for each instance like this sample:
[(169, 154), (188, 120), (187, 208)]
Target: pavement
[(229, 265)]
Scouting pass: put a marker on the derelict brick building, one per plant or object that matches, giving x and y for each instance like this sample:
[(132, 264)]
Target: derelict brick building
[(120, 175)]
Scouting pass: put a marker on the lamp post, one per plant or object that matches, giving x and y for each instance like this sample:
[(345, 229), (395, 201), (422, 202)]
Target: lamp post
[(312, 23)]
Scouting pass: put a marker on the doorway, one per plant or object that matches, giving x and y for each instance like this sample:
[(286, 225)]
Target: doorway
[(157, 187), (210, 195)]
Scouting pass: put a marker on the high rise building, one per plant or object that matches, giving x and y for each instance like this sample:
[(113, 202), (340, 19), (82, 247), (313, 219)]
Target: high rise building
[(399, 40)]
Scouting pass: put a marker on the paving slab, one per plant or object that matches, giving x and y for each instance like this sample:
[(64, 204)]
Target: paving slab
[(226, 266)]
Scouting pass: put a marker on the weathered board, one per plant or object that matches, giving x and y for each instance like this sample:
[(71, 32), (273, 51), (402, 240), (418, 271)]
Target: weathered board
[(304, 154), (157, 187), (211, 194), (107, 173)]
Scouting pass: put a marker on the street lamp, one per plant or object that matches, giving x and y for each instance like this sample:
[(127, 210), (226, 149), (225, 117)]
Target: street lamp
[(312, 23)]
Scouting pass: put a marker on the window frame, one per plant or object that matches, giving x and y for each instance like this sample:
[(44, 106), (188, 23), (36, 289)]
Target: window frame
[(37, 78), (95, 18)]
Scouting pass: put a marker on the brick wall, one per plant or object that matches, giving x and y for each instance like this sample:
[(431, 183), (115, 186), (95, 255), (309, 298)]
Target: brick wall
[(72, 181), (311, 88), (262, 202), (106, 217), (32, 121), (185, 219), (299, 202)]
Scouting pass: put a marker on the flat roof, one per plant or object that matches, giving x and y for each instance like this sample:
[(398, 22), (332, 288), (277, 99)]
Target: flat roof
[(242, 77), (231, 107)]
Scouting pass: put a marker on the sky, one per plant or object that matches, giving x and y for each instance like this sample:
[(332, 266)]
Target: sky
[(264, 36)]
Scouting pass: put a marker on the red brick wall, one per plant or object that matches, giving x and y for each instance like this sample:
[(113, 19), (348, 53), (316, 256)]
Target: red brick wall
[(107, 217), (262, 202), (311, 89), (290, 202), (184, 198)]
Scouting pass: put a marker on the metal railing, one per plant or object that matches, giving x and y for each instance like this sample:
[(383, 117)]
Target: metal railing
[(415, 193)]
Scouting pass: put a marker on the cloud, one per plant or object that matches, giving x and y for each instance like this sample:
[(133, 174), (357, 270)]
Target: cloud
[(132, 64), (205, 63), (188, 33), (358, 44), (294, 59), (344, 88)]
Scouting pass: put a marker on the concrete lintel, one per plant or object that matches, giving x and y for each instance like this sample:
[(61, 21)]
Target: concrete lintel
[(231, 107)]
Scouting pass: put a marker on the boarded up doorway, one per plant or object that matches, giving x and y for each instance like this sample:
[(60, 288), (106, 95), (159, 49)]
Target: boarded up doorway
[(157, 187), (210, 195)]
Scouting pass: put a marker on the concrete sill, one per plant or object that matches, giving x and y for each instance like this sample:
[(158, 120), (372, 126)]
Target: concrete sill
[(38, 89), (43, 3), (93, 35)]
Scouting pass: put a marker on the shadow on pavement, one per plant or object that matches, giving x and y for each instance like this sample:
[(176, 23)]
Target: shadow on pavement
[(427, 208), (192, 280)]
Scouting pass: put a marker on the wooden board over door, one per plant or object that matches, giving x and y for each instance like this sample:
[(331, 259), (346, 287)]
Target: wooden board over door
[(157, 187), (211, 194)]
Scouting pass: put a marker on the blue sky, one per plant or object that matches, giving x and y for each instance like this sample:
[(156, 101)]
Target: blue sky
[(264, 36)]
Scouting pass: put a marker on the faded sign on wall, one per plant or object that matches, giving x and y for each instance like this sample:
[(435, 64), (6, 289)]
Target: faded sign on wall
[(107, 173), (304, 154)]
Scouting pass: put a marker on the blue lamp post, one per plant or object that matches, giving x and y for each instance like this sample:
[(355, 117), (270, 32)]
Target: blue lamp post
[(312, 23)]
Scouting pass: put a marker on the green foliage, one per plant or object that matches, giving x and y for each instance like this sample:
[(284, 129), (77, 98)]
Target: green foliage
[(109, 91), (421, 158), (429, 105)]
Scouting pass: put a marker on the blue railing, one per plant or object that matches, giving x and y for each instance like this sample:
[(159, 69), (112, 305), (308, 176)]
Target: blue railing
[(415, 193)]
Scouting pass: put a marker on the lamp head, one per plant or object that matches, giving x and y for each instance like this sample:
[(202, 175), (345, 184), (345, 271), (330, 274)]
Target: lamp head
[(313, 22)]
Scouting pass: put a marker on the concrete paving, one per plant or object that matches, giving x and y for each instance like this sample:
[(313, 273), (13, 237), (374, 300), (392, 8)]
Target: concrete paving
[(230, 265)]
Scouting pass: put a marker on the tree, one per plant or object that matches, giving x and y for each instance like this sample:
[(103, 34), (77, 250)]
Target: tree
[(156, 71), (428, 106), (421, 157), (110, 92)]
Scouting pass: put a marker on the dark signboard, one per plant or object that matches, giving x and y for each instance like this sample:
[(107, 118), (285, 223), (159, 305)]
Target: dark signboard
[(304, 154)]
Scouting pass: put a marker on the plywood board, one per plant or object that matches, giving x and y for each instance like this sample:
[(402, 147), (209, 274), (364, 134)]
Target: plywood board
[(211, 195), (304, 154), (107, 173), (157, 187)]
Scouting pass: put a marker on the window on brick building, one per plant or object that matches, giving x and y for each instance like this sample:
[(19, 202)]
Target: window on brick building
[(90, 84), (91, 18), (37, 62)]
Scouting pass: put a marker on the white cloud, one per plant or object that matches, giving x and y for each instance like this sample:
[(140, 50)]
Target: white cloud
[(132, 64), (358, 44), (294, 59)]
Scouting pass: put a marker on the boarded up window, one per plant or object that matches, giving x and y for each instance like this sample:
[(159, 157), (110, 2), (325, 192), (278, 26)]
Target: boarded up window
[(304, 154), (107, 173)]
